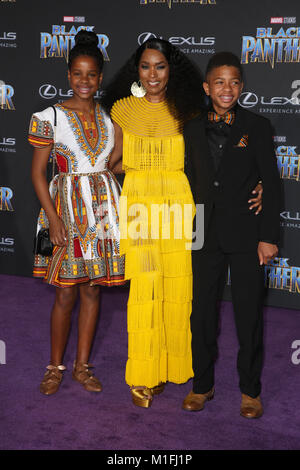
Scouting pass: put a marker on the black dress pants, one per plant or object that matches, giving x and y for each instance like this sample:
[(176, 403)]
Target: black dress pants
[(247, 286)]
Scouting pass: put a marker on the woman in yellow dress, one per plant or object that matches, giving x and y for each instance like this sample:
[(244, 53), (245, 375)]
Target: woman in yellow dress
[(156, 211)]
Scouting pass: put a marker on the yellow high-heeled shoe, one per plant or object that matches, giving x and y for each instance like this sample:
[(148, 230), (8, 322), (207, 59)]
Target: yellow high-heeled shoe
[(141, 396)]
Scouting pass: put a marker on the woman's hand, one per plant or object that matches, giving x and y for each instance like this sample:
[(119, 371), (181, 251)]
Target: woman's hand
[(58, 233), (257, 201)]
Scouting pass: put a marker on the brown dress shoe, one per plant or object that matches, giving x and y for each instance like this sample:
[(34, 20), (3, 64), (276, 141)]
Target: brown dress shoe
[(82, 374), (52, 379), (196, 401), (251, 407)]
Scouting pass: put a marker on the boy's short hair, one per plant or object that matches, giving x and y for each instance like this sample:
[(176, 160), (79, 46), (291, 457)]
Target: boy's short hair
[(224, 58)]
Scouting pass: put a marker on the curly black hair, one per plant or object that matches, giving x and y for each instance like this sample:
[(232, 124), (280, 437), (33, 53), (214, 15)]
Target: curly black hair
[(86, 43), (185, 95)]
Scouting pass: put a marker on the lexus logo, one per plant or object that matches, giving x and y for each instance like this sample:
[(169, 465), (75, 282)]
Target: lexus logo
[(179, 40), (248, 99), (48, 91), (290, 215), (145, 36)]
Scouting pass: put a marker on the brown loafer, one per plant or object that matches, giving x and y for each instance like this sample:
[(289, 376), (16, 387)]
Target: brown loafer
[(251, 407), (196, 401), (52, 379), (82, 374)]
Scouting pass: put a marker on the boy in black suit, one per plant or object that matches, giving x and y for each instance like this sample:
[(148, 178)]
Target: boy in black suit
[(228, 150)]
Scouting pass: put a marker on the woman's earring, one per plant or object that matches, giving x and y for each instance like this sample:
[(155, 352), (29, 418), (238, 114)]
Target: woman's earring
[(138, 90)]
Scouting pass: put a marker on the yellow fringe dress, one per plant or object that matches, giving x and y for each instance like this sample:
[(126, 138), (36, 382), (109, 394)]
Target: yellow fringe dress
[(156, 212)]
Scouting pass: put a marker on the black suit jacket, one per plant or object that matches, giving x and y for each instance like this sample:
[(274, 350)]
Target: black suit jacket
[(226, 191)]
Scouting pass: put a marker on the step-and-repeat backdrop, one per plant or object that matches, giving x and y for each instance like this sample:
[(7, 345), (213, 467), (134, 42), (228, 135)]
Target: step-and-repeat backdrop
[(35, 38)]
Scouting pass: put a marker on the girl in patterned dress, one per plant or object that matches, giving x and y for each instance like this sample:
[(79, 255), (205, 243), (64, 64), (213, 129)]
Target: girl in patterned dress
[(80, 207)]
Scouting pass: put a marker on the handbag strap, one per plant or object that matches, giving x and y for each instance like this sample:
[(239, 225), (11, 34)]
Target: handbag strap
[(54, 142)]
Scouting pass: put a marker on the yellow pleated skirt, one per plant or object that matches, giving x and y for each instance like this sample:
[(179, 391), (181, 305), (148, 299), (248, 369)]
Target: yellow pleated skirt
[(158, 264)]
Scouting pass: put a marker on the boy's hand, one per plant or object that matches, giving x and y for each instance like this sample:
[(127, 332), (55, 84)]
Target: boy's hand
[(266, 252), (257, 201)]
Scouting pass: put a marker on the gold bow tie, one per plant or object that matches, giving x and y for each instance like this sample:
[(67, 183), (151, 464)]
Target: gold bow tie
[(228, 117)]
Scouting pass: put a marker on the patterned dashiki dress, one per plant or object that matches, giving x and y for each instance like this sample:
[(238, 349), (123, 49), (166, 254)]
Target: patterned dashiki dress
[(86, 196)]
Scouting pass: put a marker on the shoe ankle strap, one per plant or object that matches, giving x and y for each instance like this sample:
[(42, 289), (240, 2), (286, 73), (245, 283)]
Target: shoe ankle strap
[(139, 387), (60, 367), (82, 364)]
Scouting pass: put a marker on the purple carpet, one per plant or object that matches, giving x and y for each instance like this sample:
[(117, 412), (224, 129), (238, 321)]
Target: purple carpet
[(77, 419)]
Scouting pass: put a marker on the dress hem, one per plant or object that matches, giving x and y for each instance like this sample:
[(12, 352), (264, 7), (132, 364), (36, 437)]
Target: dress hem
[(92, 282)]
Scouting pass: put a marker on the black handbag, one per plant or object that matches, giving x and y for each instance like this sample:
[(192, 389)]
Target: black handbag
[(42, 243)]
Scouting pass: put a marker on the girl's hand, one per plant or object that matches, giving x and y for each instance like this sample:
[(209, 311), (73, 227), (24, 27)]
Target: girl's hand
[(58, 233), (118, 168)]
